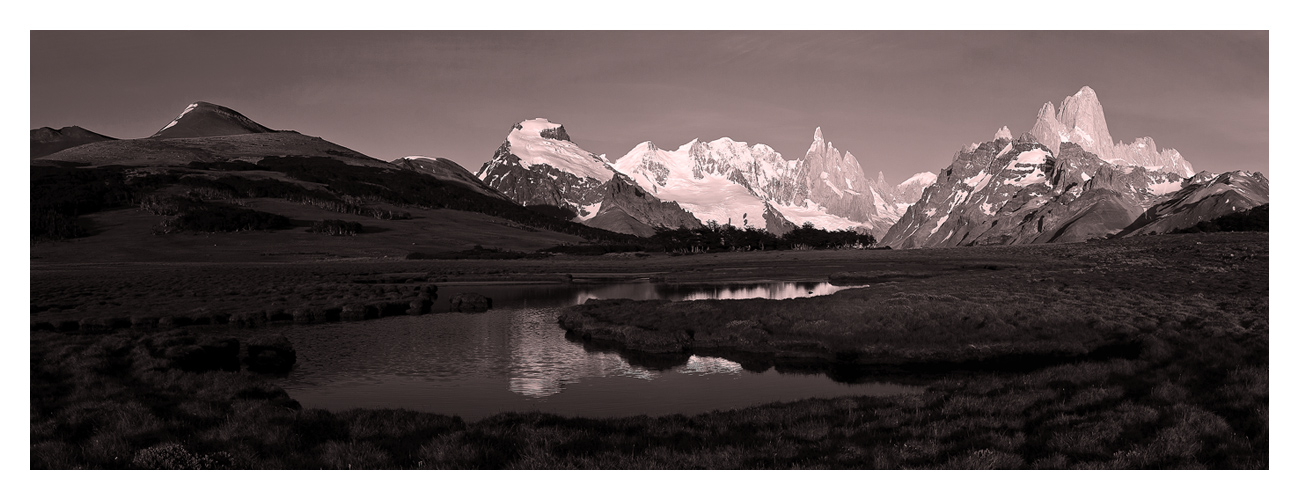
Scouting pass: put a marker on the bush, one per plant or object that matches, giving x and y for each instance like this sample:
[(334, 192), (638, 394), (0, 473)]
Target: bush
[(172, 456), (334, 227)]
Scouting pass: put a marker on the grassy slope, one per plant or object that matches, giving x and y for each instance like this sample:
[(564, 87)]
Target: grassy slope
[(1195, 395), (125, 236)]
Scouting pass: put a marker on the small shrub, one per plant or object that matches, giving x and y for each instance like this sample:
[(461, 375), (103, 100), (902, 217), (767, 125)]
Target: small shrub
[(334, 227), (172, 456)]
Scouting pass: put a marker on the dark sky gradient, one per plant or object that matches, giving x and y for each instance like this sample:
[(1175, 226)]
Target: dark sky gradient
[(901, 102)]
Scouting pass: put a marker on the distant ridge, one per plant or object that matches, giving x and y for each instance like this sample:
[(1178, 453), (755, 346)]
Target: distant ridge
[(203, 133), (46, 140), (204, 119)]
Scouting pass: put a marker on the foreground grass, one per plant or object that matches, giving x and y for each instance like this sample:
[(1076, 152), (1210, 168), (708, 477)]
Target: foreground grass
[(110, 401), (1193, 392)]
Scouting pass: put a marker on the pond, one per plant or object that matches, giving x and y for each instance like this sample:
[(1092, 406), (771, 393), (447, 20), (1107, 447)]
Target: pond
[(515, 358)]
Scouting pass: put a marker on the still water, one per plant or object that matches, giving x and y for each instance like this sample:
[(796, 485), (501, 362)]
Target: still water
[(515, 358)]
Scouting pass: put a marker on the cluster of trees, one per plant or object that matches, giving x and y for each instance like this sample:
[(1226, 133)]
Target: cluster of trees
[(725, 237), (60, 196), (1254, 219), (335, 227), (215, 218)]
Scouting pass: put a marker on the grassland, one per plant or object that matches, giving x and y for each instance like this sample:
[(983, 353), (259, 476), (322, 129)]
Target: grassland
[(1141, 353)]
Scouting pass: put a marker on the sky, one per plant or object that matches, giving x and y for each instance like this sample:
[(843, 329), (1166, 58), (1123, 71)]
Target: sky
[(901, 102)]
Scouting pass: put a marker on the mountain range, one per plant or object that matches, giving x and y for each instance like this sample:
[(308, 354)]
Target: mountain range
[(1063, 180), (722, 181)]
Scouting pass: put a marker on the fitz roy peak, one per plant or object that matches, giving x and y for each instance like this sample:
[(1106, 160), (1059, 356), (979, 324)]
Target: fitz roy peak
[(1029, 190), (1081, 120)]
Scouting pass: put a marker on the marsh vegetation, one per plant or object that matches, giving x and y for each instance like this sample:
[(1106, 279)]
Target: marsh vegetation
[(1149, 352)]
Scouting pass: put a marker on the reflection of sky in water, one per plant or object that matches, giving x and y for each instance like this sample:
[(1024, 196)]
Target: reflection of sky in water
[(516, 358)]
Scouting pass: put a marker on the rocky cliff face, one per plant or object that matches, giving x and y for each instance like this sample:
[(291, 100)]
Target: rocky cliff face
[(1081, 120), (839, 184)]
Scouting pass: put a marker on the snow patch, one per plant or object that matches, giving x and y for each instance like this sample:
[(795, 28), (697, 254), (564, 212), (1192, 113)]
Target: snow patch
[(1164, 188), (1034, 177), (938, 225), (1035, 156), (828, 183), (591, 211), (182, 115), (1083, 133), (809, 211), (923, 179), (1005, 150)]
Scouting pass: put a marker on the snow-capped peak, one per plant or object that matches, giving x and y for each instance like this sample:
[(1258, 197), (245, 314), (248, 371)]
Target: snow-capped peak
[(817, 137), (541, 141), (920, 179), (1003, 133)]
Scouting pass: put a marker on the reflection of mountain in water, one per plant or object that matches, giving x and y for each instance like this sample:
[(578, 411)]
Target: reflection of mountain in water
[(542, 362), (516, 358), (773, 291), (703, 365)]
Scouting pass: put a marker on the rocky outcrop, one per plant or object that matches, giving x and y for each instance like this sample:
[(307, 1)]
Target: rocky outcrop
[(628, 209)]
